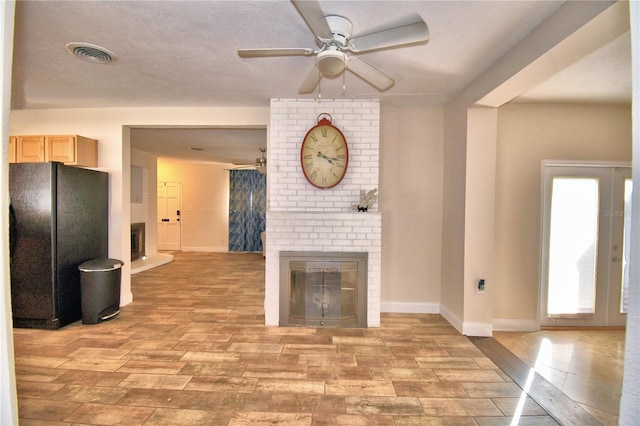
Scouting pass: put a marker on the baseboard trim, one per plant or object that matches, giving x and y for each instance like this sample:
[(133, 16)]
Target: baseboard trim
[(477, 329), (451, 319), (126, 298)]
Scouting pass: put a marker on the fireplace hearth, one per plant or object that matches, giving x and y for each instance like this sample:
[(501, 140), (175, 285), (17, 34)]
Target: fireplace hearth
[(324, 289), (137, 241)]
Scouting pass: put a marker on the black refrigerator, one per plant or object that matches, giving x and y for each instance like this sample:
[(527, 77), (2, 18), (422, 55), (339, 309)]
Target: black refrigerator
[(59, 219)]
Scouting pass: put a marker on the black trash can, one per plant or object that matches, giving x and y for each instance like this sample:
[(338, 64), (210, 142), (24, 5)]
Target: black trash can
[(100, 289)]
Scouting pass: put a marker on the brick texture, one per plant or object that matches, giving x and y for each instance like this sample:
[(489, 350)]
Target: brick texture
[(301, 217)]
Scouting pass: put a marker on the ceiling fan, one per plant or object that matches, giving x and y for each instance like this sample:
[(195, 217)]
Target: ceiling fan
[(333, 38)]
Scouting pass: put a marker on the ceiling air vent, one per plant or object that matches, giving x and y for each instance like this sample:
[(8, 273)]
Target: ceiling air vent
[(91, 53)]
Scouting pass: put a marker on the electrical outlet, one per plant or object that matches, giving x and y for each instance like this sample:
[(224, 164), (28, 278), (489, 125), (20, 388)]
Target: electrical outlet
[(480, 287)]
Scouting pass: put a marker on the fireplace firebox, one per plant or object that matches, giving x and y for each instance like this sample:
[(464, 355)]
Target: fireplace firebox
[(325, 289), (137, 241)]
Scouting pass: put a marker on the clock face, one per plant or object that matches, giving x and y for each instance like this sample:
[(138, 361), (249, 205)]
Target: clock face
[(324, 156)]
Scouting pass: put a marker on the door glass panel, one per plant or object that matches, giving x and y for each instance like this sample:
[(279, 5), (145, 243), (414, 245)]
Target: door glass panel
[(572, 246), (624, 285)]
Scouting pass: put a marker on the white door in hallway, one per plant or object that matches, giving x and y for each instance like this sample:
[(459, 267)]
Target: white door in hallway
[(169, 209), (586, 212)]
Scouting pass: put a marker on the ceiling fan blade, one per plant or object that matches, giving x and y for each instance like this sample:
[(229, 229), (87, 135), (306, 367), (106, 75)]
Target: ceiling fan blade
[(414, 32), (370, 74), (261, 53), (311, 82), (313, 15)]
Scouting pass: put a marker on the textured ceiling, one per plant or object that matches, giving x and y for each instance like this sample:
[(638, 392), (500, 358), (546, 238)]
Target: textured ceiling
[(183, 53)]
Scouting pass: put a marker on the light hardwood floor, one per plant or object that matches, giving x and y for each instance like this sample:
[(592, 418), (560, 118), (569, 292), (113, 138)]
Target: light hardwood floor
[(192, 349)]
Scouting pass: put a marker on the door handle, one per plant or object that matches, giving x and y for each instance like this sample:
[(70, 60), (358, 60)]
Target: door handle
[(165, 220)]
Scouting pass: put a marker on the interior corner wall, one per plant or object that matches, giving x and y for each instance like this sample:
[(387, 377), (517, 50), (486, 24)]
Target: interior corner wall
[(479, 238), (528, 134), (411, 175), (453, 218)]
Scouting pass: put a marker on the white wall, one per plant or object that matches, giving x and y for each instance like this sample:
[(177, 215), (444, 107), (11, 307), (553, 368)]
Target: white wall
[(204, 219)]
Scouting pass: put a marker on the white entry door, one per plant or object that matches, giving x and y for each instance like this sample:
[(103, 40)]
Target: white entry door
[(586, 212), (169, 209)]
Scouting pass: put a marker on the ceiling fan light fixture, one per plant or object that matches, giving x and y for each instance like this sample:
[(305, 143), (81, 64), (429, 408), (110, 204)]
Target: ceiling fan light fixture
[(341, 29), (332, 35), (261, 163), (331, 62)]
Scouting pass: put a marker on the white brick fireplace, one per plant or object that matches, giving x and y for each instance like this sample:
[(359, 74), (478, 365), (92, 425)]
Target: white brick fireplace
[(301, 217)]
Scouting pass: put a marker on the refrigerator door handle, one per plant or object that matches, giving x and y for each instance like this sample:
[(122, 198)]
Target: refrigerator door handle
[(13, 231)]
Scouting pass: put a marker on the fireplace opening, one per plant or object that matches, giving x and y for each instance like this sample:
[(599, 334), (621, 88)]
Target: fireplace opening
[(137, 241), (324, 289)]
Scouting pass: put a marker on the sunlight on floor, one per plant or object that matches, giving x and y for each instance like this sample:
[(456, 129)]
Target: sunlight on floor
[(586, 365), (544, 347)]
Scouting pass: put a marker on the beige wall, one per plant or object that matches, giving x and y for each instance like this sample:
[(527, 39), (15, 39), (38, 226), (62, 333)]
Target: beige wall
[(453, 217), (528, 134), (411, 169), (542, 53), (205, 202), (479, 220)]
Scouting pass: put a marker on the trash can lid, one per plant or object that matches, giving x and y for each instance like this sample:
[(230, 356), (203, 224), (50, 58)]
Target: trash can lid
[(100, 265)]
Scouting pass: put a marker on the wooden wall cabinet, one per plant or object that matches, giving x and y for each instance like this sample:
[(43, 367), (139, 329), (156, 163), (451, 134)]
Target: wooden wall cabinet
[(12, 149), (72, 150)]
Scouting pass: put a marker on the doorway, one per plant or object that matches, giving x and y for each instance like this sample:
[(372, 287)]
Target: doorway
[(169, 209), (586, 216)]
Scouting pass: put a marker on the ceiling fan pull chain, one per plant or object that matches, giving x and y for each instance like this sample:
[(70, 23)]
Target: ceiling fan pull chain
[(344, 83)]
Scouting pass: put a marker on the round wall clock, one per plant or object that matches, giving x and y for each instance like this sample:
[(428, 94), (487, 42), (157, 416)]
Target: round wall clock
[(324, 155)]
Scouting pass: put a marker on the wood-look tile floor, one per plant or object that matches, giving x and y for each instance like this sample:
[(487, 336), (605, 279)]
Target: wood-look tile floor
[(192, 349), (585, 364)]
